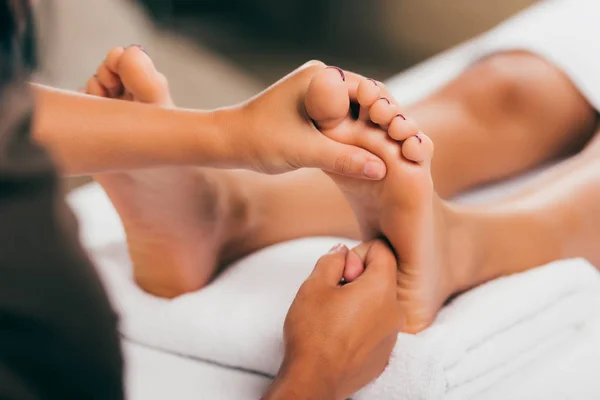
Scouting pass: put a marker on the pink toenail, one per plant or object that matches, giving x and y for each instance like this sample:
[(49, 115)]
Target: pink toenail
[(401, 116), (139, 46), (386, 99), (338, 248), (340, 71), (373, 80)]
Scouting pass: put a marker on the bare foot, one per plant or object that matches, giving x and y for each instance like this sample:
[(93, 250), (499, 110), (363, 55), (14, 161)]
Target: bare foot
[(177, 220), (403, 207)]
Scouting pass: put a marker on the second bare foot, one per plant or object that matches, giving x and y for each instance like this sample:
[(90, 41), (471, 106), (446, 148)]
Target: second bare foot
[(177, 220)]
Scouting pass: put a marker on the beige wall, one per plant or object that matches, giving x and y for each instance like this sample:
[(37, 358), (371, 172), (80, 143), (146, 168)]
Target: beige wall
[(419, 28)]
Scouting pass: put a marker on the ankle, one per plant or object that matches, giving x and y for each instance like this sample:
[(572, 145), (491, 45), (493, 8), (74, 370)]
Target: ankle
[(244, 215), (462, 250)]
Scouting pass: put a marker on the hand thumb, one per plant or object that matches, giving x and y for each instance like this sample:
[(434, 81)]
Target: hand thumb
[(330, 268), (349, 161)]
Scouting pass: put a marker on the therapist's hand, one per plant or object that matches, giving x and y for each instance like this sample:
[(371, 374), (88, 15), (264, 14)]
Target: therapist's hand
[(274, 133), (339, 338)]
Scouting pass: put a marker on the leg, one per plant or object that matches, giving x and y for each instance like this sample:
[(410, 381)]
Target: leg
[(508, 101), (319, 208), (502, 116), (442, 248), (557, 217)]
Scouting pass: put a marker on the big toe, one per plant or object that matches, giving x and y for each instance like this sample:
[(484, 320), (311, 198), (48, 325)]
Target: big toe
[(141, 79), (327, 102)]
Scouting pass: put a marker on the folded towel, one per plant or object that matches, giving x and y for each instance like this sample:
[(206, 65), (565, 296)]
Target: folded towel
[(492, 332), (482, 337)]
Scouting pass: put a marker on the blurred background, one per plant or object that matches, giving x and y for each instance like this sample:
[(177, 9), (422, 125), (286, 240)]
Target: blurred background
[(221, 52)]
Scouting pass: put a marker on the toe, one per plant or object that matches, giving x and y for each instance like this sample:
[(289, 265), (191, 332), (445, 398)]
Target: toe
[(367, 94), (354, 267), (141, 79), (327, 102), (95, 88), (109, 80), (418, 148), (112, 59), (383, 111), (402, 128)]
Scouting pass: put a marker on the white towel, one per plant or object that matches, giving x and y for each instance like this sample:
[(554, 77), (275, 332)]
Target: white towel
[(493, 332), (482, 337)]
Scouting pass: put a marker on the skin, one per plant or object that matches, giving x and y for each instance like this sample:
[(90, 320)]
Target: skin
[(246, 136), (442, 248), (328, 358), (339, 338), (567, 230), (427, 222)]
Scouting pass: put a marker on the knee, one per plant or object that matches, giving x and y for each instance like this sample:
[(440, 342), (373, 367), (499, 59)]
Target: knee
[(513, 82)]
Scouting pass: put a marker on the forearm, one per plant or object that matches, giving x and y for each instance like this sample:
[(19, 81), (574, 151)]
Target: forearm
[(88, 135)]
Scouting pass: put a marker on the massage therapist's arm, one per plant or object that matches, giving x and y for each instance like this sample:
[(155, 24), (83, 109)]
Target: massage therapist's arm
[(270, 133), (339, 338)]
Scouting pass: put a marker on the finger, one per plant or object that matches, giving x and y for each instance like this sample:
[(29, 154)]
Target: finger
[(346, 160), (329, 270)]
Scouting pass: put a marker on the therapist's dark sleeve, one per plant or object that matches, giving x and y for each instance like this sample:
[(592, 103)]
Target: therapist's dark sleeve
[(58, 337)]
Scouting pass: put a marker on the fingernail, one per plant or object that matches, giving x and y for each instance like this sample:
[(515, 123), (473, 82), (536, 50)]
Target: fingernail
[(140, 47), (401, 116), (374, 82), (419, 137), (340, 71), (374, 170), (338, 248), (386, 99)]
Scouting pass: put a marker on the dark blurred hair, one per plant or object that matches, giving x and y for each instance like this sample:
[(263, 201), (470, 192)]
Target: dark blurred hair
[(17, 41)]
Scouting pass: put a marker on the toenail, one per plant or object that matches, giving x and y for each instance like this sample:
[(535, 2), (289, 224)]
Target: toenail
[(374, 170), (419, 137), (401, 116), (373, 80), (340, 71), (386, 99), (139, 46), (338, 248)]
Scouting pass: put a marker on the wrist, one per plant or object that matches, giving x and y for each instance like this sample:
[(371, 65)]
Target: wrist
[(301, 381), (235, 136)]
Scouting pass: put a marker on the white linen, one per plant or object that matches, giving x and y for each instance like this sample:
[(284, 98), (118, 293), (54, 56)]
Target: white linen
[(482, 337), (152, 374)]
